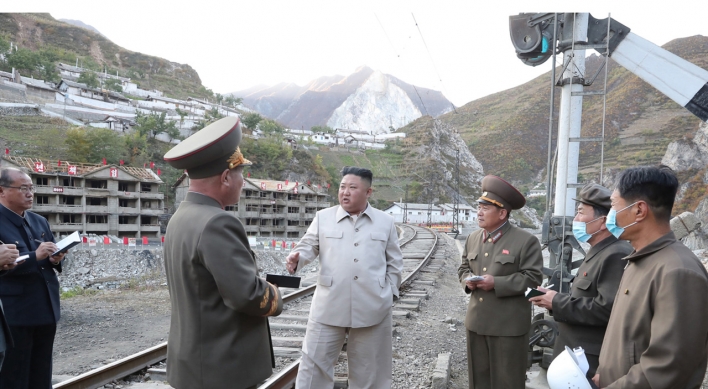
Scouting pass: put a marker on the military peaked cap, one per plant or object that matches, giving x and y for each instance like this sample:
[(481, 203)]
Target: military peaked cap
[(496, 191), (595, 195), (210, 151)]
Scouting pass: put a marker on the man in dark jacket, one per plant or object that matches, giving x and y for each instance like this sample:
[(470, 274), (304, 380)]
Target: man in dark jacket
[(30, 291), (657, 335), (8, 260), (583, 313)]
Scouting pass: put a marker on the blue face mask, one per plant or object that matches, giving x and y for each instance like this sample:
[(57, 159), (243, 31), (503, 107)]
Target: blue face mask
[(580, 230), (611, 222)]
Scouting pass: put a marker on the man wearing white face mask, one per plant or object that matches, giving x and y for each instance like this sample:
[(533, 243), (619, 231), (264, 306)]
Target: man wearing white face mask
[(582, 315), (658, 330)]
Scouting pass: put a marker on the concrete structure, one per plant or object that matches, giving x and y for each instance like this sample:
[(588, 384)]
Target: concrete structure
[(268, 208), (94, 199), (441, 213)]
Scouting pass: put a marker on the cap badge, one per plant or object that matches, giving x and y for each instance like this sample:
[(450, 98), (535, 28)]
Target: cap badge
[(237, 159)]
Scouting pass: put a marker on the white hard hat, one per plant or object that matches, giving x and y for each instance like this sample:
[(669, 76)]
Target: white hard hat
[(568, 370)]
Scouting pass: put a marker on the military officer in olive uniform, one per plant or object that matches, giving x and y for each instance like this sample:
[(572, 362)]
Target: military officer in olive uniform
[(499, 315), (219, 335), (583, 313)]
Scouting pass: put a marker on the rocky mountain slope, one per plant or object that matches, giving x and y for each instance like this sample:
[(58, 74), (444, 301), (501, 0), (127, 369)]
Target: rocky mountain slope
[(365, 100), (508, 131)]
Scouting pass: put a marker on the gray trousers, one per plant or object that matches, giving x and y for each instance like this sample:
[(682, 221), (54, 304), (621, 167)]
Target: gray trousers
[(369, 355), (497, 362)]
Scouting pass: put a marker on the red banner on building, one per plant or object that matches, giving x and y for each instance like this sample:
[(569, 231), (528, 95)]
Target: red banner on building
[(114, 172), (39, 167), (263, 185), (72, 170)]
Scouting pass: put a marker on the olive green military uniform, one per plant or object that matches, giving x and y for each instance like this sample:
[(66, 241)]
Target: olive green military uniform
[(219, 335), (657, 336), (498, 320)]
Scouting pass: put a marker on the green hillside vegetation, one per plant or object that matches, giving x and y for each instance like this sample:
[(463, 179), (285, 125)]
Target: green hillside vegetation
[(55, 41)]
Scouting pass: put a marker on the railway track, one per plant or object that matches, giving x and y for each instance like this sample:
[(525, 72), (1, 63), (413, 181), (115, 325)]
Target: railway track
[(417, 243)]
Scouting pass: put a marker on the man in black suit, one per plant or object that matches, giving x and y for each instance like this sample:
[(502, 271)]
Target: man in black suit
[(29, 291), (8, 257)]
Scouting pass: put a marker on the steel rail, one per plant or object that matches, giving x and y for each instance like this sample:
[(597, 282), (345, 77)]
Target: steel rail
[(143, 359), (116, 370)]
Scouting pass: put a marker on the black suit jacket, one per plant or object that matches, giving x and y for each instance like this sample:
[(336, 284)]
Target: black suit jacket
[(30, 291)]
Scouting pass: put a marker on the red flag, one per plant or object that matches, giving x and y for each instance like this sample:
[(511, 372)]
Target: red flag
[(121, 162), (158, 171), (308, 182), (145, 240), (104, 161), (297, 183), (125, 240), (286, 182), (106, 240), (59, 163), (84, 239), (163, 239), (7, 151), (144, 165), (152, 165), (273, 242), (249, 174), (328, 185)]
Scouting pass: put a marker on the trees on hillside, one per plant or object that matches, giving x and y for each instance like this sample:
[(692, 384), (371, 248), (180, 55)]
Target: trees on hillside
[(89, 78), (93, 144), (154, 124), (251, 120), (113, 84)]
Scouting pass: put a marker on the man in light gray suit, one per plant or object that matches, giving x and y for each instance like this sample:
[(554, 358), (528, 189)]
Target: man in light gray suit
[(360, 273), (8, 256)]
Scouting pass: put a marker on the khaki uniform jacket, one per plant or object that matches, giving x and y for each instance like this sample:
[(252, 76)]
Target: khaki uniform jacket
[(583, 314), (360, 266), (658, 330), (515, 261), (219, 335)]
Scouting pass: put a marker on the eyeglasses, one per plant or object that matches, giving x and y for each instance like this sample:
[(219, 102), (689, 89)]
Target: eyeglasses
[(24, 188)]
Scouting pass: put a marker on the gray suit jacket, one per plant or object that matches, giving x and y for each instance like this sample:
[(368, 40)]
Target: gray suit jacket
[(360, 266), (219, 335)]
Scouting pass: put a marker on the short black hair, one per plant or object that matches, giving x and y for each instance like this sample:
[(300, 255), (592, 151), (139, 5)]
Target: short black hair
[(365, 174), (657, 185)]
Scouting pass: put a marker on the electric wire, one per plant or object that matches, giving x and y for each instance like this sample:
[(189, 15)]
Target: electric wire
[(431, 59)]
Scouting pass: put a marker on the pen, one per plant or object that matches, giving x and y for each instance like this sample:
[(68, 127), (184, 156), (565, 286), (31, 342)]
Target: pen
[(549, 286), (39, 241)]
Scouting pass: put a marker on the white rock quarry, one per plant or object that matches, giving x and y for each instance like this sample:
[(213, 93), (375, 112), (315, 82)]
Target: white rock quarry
[(683, 155), (377, 105)]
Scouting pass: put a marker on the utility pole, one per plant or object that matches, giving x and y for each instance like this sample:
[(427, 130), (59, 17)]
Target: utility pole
[(456, 204), (405, 207), (430, 200)]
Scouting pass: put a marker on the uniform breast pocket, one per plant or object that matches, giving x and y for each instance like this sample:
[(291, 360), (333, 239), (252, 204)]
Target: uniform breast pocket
[(504, 259), (378, 236), (333, 235), (471, 257), (583, 284)]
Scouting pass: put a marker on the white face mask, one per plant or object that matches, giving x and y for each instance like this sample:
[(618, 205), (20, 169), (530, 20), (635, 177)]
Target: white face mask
[(580, 230), (611, 222)]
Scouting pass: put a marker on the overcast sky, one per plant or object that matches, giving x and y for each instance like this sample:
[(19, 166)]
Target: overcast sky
[(461, 48)]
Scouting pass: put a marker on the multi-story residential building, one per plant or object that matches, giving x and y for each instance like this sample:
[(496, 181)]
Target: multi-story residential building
[(94, 199), (267, 208)]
